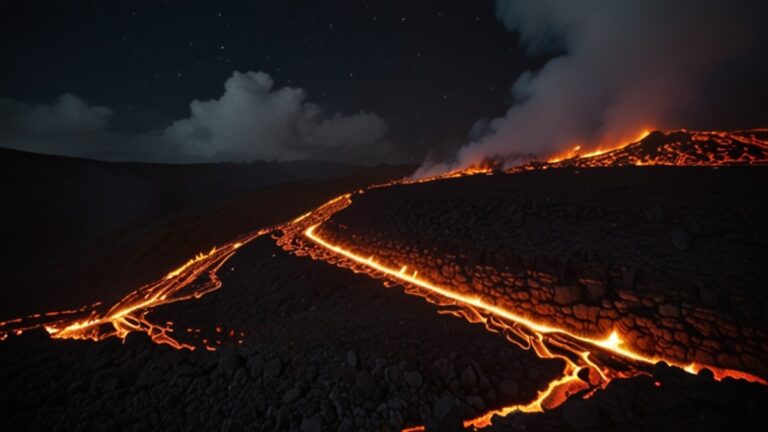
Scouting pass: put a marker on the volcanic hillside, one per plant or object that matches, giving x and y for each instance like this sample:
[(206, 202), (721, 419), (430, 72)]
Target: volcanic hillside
[(582, 283), (689, 148)]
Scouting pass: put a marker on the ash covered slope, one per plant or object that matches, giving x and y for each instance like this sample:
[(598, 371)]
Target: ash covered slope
[(76, 231), (57, 201), (672, 257)]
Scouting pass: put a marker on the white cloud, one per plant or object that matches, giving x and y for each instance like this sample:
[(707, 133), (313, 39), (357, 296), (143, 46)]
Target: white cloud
[(253, 120)]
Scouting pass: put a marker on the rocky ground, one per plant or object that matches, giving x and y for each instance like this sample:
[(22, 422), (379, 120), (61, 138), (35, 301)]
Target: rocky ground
[(306, 346), (671, 257), (322, 349)]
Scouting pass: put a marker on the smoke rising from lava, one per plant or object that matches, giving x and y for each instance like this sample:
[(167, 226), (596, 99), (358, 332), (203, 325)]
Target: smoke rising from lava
[(626, 67)]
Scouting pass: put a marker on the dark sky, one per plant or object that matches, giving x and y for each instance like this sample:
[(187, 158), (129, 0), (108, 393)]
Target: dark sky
[(430, 68), (367, 81)]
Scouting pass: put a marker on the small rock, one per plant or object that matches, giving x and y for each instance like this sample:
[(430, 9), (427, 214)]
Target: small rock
[(256, 365), (468, 378), (444, 406), (706, 373), (596, 291), (476, 402), (413, 378), (394, 374), (230, 360), (352, 359), (660, 369), (273, 368), (681, 240), (367, 384), (446, 369), (669, 310), (291, 395), (565, 294), (446, 416), (136, 340)]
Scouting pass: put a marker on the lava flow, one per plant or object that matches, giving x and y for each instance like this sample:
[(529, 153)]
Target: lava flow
[(131, 312), (585, 367), (681, 148), (590, 362)]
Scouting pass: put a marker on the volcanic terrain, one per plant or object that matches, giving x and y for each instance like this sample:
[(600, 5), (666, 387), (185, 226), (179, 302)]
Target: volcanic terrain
[(609, 295)]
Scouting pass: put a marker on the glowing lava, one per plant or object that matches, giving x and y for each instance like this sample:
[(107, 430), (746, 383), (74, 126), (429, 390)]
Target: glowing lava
[(131, 312), (584, 356), (546, 340), (680, 148), (575, 152)]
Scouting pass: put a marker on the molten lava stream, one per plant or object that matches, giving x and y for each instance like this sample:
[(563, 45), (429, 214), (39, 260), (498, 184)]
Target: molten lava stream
[(131, 312), (583, 373), (577, 351)]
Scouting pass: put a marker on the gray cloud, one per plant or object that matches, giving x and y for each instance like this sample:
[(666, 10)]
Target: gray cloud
[(628, 65), (68, 113), (251, 120)]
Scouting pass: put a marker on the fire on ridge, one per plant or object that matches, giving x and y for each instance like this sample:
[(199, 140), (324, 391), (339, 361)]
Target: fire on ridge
[(675, 148)]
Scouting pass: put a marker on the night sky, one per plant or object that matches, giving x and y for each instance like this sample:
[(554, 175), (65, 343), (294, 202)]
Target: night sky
[(429, 70)]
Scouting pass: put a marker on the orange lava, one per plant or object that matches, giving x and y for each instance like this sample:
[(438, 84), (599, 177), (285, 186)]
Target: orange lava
[(546, 340), (580, 353), (575, 151), (699, 148), (131, 312)]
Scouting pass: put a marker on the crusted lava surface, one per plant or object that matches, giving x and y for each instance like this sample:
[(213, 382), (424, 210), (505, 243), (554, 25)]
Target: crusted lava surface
[(670, 257), (300, 345)]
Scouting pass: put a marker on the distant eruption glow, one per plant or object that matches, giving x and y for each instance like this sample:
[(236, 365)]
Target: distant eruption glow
[(576, 151)]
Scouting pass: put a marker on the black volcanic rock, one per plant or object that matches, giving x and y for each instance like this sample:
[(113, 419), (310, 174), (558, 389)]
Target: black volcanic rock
[(587, 257)]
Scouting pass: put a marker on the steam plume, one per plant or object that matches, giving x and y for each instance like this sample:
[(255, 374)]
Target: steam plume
[(627, 66)]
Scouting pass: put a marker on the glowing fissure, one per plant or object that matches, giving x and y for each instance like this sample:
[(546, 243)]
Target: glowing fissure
[(131, 312), (546, 341), (580, 353)]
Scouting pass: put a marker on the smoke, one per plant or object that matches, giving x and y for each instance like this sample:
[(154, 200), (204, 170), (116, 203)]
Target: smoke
[(626, 66), (251, 120)]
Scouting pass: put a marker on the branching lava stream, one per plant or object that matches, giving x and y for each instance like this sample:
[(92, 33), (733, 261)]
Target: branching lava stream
[(590, 361)]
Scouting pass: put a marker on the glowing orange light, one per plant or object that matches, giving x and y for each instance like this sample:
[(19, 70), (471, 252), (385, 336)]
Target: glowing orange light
[(130, 313)]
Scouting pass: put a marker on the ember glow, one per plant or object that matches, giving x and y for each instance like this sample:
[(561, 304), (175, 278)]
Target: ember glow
[(579, 352), (585, 357), (711, 148), (576, 151), (131, 312)]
